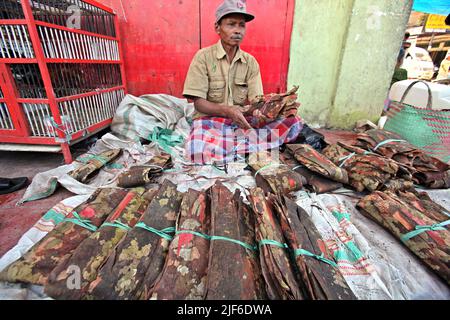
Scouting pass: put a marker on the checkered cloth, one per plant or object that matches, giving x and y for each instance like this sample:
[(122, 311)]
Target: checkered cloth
[(218, 140)]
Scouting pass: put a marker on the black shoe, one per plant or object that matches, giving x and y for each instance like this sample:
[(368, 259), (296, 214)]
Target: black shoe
[(11, 185)]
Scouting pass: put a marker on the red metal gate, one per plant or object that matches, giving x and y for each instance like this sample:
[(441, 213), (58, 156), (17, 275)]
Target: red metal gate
[(58, 84), (163, 36)]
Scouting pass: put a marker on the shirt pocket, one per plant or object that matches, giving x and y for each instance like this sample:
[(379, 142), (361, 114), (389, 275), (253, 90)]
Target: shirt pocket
[(240, 92), (216, 91)]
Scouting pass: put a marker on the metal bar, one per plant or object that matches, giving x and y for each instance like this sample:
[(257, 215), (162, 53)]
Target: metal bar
[(75, 46), (4, 42), (50, 43), (11, 125), (63, 44), (48, 114), (72, 117), (80, 118), (98, 105), (84, 113), (27, 38), (10, 42), (55, 43), (1, 47), (27, 112), (41, 119), (88, 111), (44, 43), (109, 103), (87, 53), (92, 100), (27, 55), (32, 116), (3, 117), (104, 106), (68, 44), (16, 42), (79, 45)]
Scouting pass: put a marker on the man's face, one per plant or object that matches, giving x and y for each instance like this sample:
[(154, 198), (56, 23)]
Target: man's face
[(232, 29)]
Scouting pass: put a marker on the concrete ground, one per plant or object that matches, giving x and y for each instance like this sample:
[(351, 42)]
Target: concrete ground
[(16, 220)]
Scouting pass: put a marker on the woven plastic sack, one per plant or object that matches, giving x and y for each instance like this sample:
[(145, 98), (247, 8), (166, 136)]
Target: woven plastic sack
[(423, 127)]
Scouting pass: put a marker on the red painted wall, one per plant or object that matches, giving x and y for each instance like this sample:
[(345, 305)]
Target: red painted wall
[(161, 37)]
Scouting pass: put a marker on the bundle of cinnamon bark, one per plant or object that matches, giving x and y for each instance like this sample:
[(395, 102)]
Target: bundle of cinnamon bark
[(232, 236), (425, 170), (90, 255), (273, 176), (317, 162), (147, 173), (59, 244), (313, 181), (93, 164), (131, 270), (293, 256), (365, 170), (421, 224), (274, 106)]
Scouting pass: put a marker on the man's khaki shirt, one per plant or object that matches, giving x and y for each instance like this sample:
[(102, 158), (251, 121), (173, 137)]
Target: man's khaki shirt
[(211, 77)]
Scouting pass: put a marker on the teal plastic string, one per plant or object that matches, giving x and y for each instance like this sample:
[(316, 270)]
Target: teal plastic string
[(421, 229), (243, 244), (85, 223), (345, 159), (268, 242), (164, 233), (382, 143), (117, 224), (302, 252), (216, 238)]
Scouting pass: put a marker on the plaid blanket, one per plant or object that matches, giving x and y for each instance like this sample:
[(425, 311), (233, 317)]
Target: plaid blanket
[(218, 140)]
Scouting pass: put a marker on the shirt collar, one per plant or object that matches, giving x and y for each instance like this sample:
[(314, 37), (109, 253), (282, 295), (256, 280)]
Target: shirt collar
[(221, 53)]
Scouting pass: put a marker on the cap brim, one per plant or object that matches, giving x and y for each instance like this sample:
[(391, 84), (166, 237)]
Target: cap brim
[(248, 17)]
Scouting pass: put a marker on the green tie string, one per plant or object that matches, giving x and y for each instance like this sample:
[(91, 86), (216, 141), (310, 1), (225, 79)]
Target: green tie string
[(85, 223), (164, 233), (421, 229), (117, 224)]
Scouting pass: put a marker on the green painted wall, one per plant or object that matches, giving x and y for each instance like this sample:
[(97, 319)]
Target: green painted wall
[(343, 54)]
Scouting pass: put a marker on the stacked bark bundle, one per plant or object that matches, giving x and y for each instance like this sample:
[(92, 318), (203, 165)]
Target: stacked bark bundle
[(425, 170), (274, 106), (90, 255), (88, 170), (241, 277), (59, 244), (141, 175), (296, 268), (421, 224), (131, 270), (274, 177), (318, 163), (365, 170), (313, 181)]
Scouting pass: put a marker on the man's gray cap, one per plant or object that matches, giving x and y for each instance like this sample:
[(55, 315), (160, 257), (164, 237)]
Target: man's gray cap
[(233, 6)]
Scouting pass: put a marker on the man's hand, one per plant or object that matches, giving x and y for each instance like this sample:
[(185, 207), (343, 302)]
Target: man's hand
[(236, 115)]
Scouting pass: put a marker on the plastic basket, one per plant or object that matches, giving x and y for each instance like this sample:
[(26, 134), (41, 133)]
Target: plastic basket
[(425, 128)]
